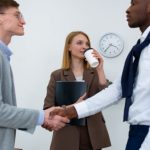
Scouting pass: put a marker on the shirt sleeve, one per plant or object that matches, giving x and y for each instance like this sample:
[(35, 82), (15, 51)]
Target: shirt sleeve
[(40, 118), (101, 100)]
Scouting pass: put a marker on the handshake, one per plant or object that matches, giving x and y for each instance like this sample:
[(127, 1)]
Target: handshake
[(57, 117)]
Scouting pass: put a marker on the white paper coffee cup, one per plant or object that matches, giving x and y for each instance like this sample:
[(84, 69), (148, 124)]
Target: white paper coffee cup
[(90, 58)]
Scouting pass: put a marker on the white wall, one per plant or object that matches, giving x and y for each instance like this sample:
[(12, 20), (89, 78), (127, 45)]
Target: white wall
[(40, 51)]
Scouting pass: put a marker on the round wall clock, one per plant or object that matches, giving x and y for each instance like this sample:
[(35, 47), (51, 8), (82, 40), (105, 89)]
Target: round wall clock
[(111, 45)]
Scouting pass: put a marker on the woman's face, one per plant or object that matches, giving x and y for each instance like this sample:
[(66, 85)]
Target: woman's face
[(78, 45)]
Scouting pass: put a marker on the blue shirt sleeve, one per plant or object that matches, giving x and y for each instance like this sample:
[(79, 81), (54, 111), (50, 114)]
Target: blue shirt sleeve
[(40, 120)]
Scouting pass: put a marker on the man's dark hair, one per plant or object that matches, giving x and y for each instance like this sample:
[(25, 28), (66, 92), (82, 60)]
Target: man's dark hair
[(4, 4)]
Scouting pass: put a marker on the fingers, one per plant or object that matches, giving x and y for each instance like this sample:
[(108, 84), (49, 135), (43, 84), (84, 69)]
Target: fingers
[(53, 119), (52, 126), (59, 122), (47, 126), (82, 98), (64, 119), (97, 55), (58, 127)]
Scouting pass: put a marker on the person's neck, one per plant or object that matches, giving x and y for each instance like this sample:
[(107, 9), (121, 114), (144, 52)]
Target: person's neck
[(77, 67), (5, 38), (143, 28)]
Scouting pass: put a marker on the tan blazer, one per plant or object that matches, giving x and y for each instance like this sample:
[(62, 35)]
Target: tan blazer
[(96, 125)]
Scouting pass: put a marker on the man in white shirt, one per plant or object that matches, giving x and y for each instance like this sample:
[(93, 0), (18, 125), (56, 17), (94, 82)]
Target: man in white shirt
[(136, 89)]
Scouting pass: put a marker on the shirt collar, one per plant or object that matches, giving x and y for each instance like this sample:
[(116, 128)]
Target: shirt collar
[(5, 50), (145, 33)]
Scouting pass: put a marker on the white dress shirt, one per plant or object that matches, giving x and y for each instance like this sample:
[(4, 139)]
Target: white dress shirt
[(139, 112)]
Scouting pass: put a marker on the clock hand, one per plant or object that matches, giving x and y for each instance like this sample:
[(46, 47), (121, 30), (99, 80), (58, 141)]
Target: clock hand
[(107, 47), (114, 46)]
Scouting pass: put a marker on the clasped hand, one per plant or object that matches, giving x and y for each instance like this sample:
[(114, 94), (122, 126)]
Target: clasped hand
[(55, 122), (57, 117)]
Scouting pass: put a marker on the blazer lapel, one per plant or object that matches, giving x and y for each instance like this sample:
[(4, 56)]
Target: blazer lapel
[(68, 75), (88, 76)]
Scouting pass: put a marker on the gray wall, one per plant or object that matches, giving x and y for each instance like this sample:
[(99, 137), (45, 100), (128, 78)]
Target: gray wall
[(39, 52)]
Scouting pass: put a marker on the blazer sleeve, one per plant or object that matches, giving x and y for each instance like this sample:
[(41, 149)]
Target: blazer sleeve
[(101, 87), (18, 118), (95, 86), (13, 117), (50, 95)]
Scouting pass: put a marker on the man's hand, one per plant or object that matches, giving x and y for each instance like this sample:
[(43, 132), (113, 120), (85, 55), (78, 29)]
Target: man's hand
[(65, 111), (54, 122), (57, 117), (60, 111)]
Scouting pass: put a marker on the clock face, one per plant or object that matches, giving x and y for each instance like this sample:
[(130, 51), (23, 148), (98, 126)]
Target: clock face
[(111, 45)]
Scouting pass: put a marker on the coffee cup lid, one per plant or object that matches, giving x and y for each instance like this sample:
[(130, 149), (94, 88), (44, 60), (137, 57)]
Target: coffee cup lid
[(87, 49)]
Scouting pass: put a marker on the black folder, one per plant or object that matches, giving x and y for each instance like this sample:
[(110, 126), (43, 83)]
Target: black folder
[(68, 92)]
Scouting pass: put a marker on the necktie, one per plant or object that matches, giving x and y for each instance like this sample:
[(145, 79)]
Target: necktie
[(129, 73)]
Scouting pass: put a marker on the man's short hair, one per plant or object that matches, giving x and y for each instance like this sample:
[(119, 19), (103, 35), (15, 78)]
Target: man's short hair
[(5, 4)]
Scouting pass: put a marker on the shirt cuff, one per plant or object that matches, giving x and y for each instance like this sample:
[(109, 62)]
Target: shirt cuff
[(40, 118), (82, 109)]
